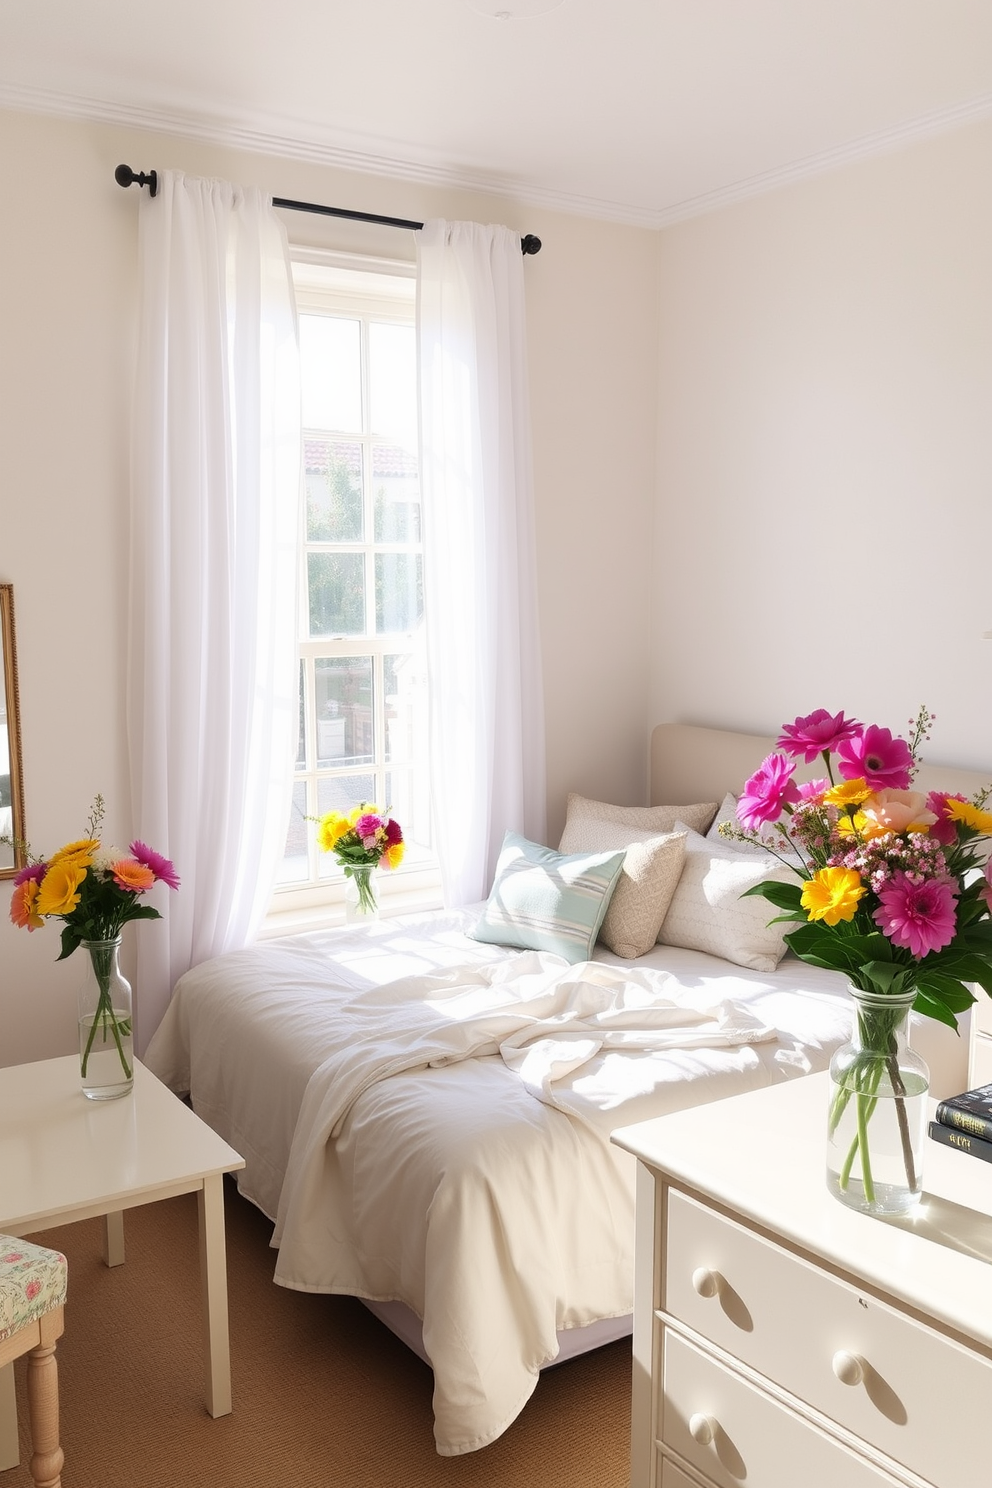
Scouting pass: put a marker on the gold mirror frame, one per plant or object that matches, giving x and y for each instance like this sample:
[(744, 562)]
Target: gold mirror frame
[(12, 859)]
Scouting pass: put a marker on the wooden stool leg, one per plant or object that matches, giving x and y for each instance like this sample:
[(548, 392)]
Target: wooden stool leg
[(43, 1409)]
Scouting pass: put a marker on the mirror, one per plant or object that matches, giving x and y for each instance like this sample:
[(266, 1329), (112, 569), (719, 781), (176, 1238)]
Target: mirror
[(12, 852)]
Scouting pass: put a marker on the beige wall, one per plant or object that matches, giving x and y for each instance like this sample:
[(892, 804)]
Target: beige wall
[(825, 452), (68, 238)]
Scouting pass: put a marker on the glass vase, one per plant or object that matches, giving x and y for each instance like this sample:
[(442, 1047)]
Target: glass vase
[(361, 900), (876, 1124), (106, 1054)]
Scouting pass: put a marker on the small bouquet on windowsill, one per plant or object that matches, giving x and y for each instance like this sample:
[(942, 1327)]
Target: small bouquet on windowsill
[(895, 892), (94, 893), (365, 839)]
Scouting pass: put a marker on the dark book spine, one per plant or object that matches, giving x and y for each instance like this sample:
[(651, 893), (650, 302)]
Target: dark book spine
[(972, 1122), (961, 1141)]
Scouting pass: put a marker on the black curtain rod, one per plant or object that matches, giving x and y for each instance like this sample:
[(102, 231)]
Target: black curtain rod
[(125, 176)]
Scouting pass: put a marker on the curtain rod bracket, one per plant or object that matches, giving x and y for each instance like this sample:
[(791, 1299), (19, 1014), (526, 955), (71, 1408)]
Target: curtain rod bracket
[(125, 176)]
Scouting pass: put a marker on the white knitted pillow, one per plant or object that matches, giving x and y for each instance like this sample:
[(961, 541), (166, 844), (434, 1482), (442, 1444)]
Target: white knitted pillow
[(707, 912), (651, 868)]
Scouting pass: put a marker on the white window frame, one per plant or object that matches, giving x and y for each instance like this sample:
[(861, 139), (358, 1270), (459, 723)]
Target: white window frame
[(415, 884)]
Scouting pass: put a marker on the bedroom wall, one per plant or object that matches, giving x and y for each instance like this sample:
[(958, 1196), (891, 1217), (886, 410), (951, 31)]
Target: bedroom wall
[(825, 452), (68, 239)]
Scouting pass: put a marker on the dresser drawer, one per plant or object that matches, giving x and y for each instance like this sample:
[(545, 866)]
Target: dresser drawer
[(980, 1069), (670, 1476), (755, 1440), (982, 1012), (803, 1328)]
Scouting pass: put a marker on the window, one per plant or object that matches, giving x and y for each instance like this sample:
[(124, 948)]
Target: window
[(363, 683)]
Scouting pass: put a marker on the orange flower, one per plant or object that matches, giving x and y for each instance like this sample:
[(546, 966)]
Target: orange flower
[(131, 875), (22, 906)]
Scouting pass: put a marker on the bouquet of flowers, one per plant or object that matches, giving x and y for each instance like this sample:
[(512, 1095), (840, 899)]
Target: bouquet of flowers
[(362, 841), (895, 887), (94, 894)]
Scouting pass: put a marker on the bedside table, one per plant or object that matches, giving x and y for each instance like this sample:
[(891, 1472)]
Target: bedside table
[(781, 1338), (980, 1052)]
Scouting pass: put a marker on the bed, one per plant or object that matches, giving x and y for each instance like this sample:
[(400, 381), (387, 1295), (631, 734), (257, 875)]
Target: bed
[(425, 1115)]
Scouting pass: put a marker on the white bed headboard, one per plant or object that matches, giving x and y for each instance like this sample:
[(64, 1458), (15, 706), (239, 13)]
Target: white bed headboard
[(691, 763)]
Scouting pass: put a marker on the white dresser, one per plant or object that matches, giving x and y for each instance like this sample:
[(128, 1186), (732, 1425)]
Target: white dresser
[(980, 1061), (781, 1339)]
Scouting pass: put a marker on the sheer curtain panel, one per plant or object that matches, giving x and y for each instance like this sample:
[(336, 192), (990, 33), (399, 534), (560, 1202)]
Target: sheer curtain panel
[(212, 684), (488, 767)]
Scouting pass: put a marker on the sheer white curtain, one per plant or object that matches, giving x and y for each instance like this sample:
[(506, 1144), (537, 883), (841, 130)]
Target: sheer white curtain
[(488, 768), (212, 684)]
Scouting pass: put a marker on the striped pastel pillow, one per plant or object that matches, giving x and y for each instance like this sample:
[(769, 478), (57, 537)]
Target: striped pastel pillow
[(542, 900)]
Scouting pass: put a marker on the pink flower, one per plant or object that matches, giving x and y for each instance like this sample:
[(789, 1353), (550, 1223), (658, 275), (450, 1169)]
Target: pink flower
[(369, 828), (34, 872), (876, 757), (944, 830), (769, 790), (818, 733), (160, 866), (32, 1288), (917, 914), (812, 790)]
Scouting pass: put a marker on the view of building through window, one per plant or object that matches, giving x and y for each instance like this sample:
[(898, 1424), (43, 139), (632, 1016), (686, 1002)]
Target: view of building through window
[(363, 683)]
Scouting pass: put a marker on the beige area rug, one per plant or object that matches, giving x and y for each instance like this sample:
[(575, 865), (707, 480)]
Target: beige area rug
[(324, 1395)]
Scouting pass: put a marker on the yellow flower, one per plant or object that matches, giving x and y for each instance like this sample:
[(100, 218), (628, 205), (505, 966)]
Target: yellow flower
[(331, 829), (850, 826), (78, 854), (832, 895), (393, 856), (969, 815), (848, 793), (57, 894)]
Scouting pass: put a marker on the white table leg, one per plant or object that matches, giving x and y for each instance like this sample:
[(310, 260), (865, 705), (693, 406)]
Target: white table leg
[(213, 1279), (113, 1240), (10, 1452)]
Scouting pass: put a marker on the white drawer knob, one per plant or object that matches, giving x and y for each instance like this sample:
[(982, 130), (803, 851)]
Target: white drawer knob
[(848, 1368), (702, 1429), (705, 1281)]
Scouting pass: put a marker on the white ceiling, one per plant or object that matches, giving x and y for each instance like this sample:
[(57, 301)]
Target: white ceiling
[(641, 111)]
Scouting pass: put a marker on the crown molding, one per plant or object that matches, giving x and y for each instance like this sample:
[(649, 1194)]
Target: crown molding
[(292, 140)]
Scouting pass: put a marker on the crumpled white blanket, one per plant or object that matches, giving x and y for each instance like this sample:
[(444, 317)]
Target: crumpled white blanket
[(552, 1024)]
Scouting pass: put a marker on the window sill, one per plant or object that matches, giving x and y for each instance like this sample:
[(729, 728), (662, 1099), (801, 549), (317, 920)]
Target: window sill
[(394, 899)]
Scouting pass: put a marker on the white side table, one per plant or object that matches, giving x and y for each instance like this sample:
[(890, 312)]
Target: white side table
[(780, 1337), (65, 1158)]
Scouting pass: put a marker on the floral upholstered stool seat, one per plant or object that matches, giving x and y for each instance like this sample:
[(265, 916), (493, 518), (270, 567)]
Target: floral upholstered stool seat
[(32, 1298)]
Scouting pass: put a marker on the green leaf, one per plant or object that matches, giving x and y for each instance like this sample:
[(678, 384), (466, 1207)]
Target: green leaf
[(782, 895)]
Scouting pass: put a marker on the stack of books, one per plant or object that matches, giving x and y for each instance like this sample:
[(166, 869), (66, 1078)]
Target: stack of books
[(965, 1122)]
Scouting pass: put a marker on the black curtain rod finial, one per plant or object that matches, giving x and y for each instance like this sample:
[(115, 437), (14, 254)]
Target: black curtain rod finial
[(530, 244), (125, 176)]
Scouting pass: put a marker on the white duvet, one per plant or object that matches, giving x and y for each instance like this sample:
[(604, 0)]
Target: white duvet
[(426, 1118)]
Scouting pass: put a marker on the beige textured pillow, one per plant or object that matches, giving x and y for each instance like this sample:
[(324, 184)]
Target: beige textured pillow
[(707, 912), (651, 868), (641, 818)]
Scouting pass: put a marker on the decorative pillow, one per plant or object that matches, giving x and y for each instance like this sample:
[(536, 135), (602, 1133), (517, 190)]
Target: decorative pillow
[(707, 912), (641, 818), (542, 900), (647, 881)]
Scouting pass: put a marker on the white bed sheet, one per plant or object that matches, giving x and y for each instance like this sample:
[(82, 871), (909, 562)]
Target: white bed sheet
[(497, 1218)]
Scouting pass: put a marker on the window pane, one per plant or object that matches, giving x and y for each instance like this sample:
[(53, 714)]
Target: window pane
[(405, 689), (294, 868), (399, 596), (342, 794), (345, 724), (301, 744), (336, 588), (396, 483), (334, 491), (409, 802), (393, 381), (331, 373)]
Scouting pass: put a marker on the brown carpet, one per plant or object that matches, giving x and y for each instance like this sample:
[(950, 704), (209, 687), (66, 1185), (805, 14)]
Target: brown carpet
[(323, 1393)]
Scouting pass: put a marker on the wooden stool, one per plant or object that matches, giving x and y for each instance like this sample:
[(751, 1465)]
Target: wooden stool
[(32, 1299)]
